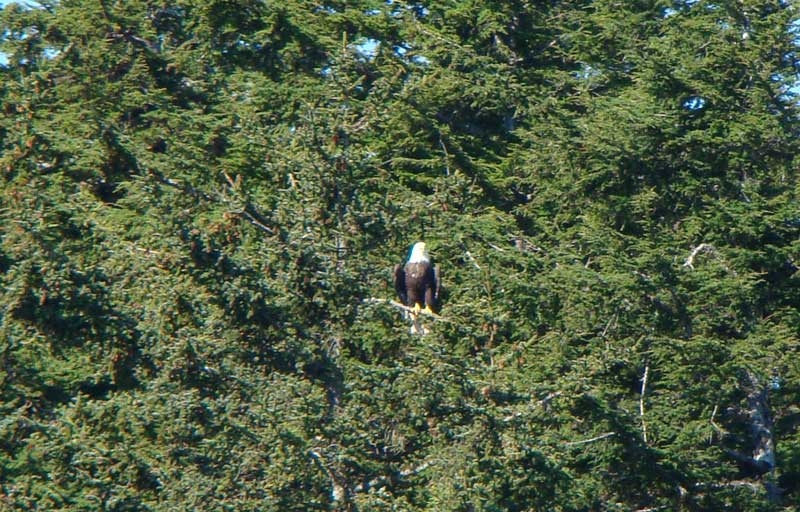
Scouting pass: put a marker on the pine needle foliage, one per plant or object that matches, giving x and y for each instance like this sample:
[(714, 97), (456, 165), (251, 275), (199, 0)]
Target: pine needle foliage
[(201, 204)]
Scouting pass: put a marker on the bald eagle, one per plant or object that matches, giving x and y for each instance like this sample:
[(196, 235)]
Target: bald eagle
[(417, 282)]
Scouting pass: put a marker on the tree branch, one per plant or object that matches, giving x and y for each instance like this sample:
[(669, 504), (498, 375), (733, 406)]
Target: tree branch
[(722, 432), (249, 211), (592, 439), (129, 36), (700, 248), (760, 423), (641, 402), (472, 259), (375, 300), (337, 490)]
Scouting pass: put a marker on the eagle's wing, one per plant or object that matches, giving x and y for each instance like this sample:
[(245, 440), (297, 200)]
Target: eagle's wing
[(400, 283), (437, 282)]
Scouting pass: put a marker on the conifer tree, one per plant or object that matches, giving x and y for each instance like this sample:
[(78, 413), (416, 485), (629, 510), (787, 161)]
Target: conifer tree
[(202, 203)]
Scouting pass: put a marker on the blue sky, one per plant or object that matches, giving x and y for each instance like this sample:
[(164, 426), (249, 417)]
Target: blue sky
[(3, 3), (3, 59)]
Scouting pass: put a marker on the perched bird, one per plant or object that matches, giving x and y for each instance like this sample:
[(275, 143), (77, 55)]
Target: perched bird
[(417, 282)]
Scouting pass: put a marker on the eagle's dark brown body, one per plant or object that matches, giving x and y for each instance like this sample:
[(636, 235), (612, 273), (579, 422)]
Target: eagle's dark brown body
[(417, 282)]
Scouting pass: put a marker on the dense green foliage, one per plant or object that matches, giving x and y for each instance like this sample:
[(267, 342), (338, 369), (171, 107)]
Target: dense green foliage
[(201, 201)]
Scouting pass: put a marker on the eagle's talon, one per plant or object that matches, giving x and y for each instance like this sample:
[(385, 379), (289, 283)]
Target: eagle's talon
[(417, 284)]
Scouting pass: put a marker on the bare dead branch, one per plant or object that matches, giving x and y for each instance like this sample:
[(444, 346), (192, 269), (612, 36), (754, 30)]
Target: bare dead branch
[(697, 250), (446, 155), (255, 218), (235, 184), (755, 487), (760, 422), (592, 439), (410, 313), (722, 432), (250, 212), (470, 258), (641, 402), (524, 245), (338, 492), (128, 35), (611, 321), (375, 300)]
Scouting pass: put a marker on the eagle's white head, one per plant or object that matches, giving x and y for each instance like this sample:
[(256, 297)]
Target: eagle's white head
[(418, 253)]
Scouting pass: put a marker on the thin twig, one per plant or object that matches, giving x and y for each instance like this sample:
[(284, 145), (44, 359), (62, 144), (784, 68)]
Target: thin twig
[(641, 402), (702, 247), (446, 156), (611, 321), (591, 440), (472, 259), (337, 490), (255, 218), (249, 212), (234, 184), (720, 430), (374, 300)]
